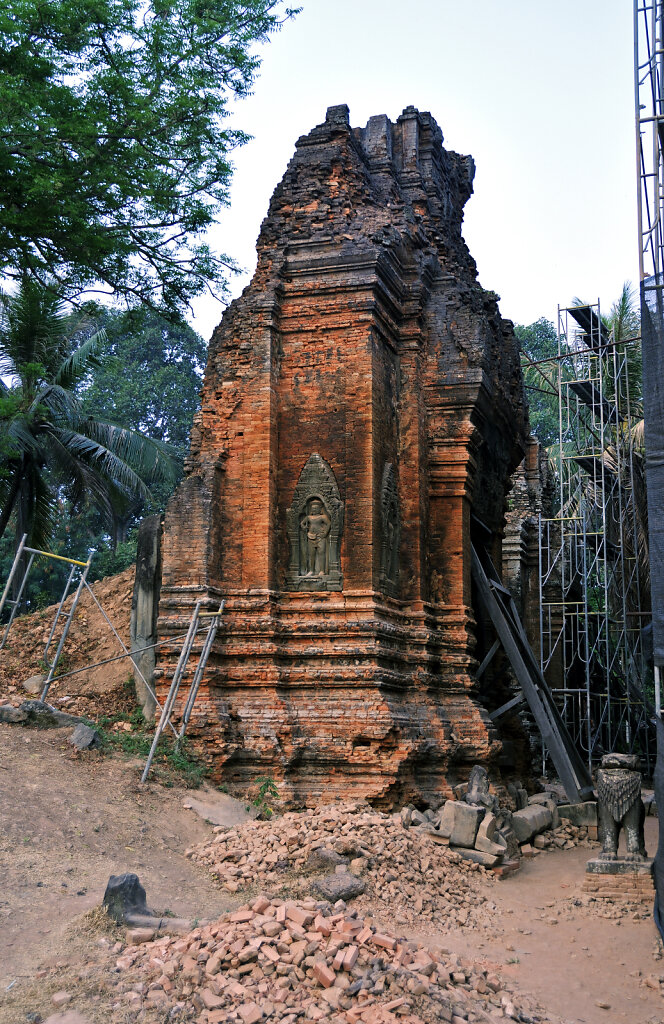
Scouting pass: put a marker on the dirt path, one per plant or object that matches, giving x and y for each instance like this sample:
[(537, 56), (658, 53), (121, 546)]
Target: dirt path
[(67, 823), (568, 956)]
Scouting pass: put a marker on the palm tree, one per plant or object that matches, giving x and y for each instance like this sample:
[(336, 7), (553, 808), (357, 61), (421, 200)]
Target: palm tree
[(50, 449)]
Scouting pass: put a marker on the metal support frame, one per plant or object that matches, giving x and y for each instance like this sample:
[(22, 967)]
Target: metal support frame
[(178, 676), (498, 604), (591, 613)]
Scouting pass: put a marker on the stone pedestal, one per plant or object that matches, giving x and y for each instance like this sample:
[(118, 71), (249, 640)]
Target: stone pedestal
[(362, 398), (627, 879)]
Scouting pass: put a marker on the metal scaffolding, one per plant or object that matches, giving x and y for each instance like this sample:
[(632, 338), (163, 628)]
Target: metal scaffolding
[(649, 100), (591, 593), (649, 117)]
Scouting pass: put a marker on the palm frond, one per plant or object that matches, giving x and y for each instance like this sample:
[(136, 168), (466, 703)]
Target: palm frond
[(103, 460), (153, 460), (79, 480), (74, 368), (44, 510), (33, 326), (60, 403)]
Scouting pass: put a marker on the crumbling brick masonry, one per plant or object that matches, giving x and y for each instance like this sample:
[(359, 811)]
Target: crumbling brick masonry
[(362, 397)]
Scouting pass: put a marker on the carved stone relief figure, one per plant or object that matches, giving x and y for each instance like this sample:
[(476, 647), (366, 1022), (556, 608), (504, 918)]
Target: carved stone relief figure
[(390, 522), (314, 554), (314, 523)]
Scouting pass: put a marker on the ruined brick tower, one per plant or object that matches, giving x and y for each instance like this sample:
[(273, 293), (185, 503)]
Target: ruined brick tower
[(362, 397)]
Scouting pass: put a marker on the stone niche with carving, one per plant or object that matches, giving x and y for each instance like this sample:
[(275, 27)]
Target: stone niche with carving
[(363, 396), (315, 521)]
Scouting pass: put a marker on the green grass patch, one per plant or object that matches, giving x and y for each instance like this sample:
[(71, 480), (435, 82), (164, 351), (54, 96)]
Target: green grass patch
[(130, 735)]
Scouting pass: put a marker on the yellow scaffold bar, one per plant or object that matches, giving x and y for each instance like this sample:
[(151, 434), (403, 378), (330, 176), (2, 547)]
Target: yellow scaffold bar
[(60, 558)]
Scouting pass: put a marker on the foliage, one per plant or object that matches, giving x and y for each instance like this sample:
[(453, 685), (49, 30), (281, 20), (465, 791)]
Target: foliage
[(114, 141), (539, 341), (56, 451), (265, 795), (149, 379), (151, 375)]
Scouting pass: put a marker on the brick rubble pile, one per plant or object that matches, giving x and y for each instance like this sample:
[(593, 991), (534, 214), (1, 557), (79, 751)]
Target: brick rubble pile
[(404, 870), (299, 962)]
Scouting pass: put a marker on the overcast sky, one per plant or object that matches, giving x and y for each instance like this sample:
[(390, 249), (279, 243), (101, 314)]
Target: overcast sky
[(540, 94)]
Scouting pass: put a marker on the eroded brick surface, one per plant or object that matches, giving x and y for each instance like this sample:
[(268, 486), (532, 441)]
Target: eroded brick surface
[(364, 339)]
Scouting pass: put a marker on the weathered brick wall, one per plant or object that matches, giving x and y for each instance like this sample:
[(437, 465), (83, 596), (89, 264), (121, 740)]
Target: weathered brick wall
[(365, 341)]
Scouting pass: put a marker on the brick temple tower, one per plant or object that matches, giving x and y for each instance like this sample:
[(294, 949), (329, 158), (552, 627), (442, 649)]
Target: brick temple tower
[(362, 397)]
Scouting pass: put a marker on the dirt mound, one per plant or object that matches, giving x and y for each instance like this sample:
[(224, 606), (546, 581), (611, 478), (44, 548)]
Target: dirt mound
[(94, 692)]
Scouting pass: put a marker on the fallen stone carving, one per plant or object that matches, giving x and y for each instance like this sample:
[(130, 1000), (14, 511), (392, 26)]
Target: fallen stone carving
[(125, 901), (478, 789)]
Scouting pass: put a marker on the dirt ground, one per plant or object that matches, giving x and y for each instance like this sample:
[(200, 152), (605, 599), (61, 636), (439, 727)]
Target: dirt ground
[(69, 821)]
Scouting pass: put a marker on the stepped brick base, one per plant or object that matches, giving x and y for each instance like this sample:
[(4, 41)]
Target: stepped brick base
[(630, 880)]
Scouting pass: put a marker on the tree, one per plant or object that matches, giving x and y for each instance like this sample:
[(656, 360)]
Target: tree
[(114, 145), (57, 452), (149, 381), (539, 341), (151, 376)]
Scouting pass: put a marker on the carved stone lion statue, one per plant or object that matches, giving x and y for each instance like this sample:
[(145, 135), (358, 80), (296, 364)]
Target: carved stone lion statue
[(620, 806)]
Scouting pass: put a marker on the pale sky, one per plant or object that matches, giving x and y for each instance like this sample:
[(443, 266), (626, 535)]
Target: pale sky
[(540, 94)]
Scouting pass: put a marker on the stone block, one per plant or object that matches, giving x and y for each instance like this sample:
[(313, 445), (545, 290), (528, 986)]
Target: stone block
[(487, 860), (622, 866), (445, 818), (339, 887), (507, 835), (548, 801), (543, 798), (530, 820), (488, 827), (488, 839), (466, 823), (12, 715), (579, 814), (124, 896), (42, 714), (35, 684), (84, 737), (324, 859)]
